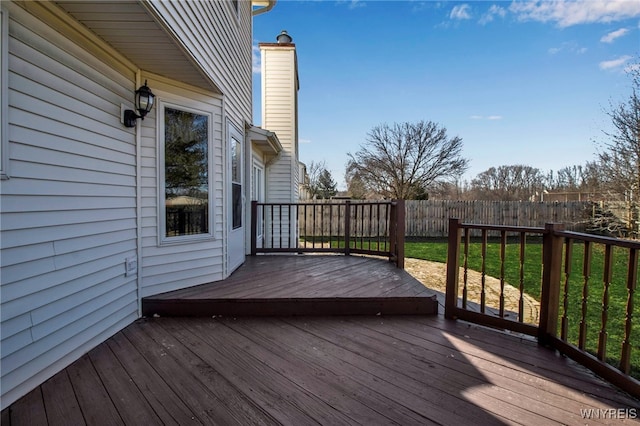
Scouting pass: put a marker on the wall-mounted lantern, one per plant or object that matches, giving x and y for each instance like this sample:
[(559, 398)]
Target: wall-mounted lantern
[(144, 103)]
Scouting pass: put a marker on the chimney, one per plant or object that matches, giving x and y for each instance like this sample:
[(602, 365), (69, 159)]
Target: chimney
[(284, 37), (280, 112)]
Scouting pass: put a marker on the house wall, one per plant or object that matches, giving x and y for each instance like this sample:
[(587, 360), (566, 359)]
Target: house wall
[(220, 39), (169, 266), (68, 210)]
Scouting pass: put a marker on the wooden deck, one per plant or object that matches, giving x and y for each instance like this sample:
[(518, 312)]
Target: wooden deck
[(406, 370), (302, 285), (307, 370)]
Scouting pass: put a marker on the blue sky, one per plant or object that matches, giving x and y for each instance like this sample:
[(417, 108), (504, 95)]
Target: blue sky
[(519, 82)]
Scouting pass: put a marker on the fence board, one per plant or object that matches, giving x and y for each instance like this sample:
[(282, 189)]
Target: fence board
[(430, 218)]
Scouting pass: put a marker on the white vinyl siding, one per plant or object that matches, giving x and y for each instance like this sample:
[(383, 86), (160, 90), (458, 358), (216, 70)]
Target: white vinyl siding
[(188, 261), (279, 98), (68, 217), (4, 95), (220, 37)]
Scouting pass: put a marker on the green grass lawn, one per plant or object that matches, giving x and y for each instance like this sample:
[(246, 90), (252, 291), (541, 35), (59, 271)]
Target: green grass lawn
[(437, 251)]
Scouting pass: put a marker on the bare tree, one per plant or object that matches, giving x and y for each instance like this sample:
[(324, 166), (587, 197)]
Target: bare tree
[(508, 183), (404, 160), (355, 184), (314, 171), (619, 157)]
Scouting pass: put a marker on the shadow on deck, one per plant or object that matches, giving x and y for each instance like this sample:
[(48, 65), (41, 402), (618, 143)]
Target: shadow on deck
[(302, 285)]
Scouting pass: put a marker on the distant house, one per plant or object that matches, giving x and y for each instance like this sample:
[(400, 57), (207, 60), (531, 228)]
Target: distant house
[(96, 215)]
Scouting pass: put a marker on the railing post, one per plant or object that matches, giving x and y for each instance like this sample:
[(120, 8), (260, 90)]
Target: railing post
[(254, 228), (397, 223), (551, 278), (347, 227), (392, 228), (453, 267)]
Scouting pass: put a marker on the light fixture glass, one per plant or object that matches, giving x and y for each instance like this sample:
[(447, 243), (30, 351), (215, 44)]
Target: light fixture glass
[(144, 103)]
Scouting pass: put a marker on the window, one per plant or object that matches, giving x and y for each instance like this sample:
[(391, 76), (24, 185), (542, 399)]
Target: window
[(257, 193), (185, 150), (236, 180), (4, 95)]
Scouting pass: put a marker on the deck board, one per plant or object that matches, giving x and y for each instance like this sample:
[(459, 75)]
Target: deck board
[(302, 285), (408, 370), (309, 370), (60, 402)]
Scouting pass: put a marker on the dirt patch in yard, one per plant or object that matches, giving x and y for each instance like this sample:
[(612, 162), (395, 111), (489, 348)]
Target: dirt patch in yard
[(433, 275)]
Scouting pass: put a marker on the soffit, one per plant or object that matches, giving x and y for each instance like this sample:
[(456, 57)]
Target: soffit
[(136, 33)]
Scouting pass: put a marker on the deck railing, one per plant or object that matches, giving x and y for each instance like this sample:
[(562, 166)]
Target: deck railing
[(349, 227), (576, 314)]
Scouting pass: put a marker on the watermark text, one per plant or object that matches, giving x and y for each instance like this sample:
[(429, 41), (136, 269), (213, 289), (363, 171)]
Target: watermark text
[(609, 413)]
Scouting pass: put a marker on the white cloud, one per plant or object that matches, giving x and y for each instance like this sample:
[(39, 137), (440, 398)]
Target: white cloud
[(461, 11), (352, 4), (609, 38), (482, 117), (568, 46), (300, 140), (493, 11), (615, 63), (255, 60), (566, 13)]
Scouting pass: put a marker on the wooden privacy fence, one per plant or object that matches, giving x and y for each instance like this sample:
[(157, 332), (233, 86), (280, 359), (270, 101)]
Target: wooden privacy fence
[(370, 227), (584, 316), (427, 218)]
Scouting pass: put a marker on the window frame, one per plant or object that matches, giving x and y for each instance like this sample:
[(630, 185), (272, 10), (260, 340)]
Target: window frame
[(257, 193), (163, 239), (4, 93)]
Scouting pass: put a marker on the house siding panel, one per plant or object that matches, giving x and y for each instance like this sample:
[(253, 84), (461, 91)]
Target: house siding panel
[(221, 43), (68, 210), (279, 96), (172, 265)]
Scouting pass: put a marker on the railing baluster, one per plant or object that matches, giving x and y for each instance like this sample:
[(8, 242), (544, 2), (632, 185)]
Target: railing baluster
[(586, 273), (483, 270), (358, 226), (465, 276), (370, 223), (523, 242), (290, 236), (604, 313), (280, 226), (503, 248), (306, 227), (347, 227), (272, 227), (322, 206), (568, 257), (632, 282), (378, 227), (330, 224)]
